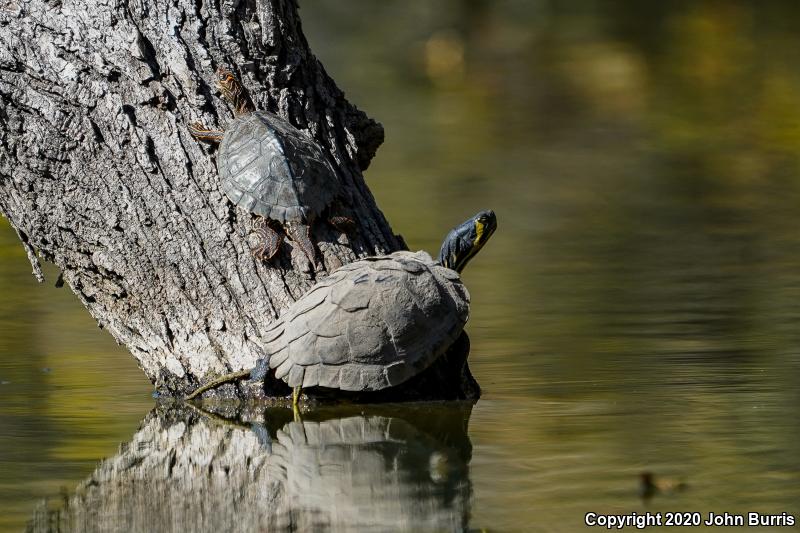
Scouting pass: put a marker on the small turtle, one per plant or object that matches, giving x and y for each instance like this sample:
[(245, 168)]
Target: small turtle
[(373, 323), (269, 168)]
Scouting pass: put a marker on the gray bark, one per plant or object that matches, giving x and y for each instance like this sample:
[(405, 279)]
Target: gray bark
[(99, 175), (375, 470)]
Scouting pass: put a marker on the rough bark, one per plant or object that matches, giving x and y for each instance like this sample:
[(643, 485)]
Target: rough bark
[(378, 469), (99, 175)]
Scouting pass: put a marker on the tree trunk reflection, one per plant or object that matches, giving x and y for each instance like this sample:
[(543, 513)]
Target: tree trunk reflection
[(344, 468)]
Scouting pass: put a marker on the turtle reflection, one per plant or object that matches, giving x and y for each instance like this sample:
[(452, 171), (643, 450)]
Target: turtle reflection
[(371, 469)]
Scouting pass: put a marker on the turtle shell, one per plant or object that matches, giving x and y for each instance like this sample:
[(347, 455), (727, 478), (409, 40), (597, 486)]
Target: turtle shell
[(268, 167), (371, 324)]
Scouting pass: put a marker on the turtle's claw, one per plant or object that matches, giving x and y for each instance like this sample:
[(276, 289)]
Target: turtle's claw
[(258, 252), (301, 235)]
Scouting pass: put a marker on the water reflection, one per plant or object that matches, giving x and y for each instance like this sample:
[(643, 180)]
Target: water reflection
[(344, 469)]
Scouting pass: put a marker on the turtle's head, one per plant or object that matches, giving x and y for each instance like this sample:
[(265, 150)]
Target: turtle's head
[(233, 91), (465, 240), (227, 84)]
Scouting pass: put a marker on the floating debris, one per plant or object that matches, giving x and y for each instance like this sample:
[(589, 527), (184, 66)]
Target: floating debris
[(649, 485)]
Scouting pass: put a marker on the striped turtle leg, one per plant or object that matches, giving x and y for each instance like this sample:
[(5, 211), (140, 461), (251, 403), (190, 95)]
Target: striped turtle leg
[(342, 223), (201, 133), (301, 235), (338, 219), (269, 240), (227, 378), (257, 373)]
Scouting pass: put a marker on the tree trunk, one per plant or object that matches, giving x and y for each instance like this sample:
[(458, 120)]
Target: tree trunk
[(99, 175)]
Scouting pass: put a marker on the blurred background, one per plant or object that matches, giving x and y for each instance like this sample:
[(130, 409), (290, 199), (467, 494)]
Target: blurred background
[(638, 307)]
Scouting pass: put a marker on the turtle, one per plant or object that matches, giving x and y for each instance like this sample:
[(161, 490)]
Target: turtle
[(271, 169), (375, 322)]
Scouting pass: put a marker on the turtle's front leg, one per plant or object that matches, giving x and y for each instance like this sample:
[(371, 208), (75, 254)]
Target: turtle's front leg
[(301, 235), (342, 223), (339, 220), (201, 133), (269, 240)]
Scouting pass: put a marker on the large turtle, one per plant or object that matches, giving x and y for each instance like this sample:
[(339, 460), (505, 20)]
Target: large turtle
[(268, 167), (373, 323)]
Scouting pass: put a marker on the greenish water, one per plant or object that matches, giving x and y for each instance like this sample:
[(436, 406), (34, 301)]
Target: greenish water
[(637, 309)]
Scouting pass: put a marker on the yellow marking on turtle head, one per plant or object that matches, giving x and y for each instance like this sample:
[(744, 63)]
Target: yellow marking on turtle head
[(479, 227)]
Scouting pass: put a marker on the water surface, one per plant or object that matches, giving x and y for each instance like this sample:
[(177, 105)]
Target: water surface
[(638, 308)]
